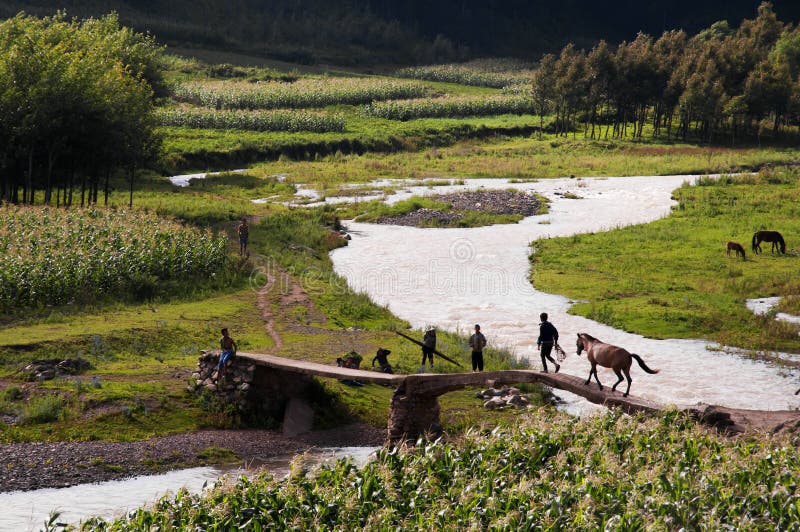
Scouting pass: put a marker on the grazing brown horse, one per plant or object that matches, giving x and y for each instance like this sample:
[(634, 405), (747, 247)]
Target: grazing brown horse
[(735, 246), (768, 236), (609, 356)]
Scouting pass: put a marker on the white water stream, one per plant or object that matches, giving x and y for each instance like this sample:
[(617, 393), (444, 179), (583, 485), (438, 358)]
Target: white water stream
[(28, 510), (455, 278)]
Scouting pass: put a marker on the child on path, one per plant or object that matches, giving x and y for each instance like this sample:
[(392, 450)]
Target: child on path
[(244, 234)]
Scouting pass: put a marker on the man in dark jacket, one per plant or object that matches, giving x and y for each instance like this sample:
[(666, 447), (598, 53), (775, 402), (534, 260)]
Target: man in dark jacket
[(477, 342), (548, 337), (429, 344)]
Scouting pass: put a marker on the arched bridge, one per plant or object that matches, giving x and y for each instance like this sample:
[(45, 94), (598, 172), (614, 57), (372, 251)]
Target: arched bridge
[(414, 407)]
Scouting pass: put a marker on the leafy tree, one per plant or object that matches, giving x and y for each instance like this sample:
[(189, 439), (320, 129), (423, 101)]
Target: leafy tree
[(75, 97)]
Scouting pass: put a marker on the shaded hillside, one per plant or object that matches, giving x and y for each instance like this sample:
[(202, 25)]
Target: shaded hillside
[(403, 31)]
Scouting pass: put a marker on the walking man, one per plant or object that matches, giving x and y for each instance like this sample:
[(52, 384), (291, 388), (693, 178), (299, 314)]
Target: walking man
[(428, 346), (477, 342), (244, 234), (548, 337)]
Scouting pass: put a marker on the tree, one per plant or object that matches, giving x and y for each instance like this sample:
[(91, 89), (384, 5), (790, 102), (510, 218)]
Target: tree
[(74, 97)]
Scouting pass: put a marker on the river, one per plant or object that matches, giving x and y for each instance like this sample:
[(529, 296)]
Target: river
[(29, 510), (455, 278)]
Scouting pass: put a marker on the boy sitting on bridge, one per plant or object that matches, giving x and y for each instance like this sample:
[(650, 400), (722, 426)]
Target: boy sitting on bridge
[(229, 347)]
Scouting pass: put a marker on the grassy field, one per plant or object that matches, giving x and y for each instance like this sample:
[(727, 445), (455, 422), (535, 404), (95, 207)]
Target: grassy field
[(688, 287)]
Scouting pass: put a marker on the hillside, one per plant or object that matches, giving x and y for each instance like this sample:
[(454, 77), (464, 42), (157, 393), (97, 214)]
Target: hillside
[(368, 32)]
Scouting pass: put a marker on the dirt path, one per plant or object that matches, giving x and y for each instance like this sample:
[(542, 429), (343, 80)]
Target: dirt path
[(266, 312)]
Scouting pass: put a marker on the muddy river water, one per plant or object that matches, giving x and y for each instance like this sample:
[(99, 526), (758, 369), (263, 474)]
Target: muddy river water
[(455, 278)]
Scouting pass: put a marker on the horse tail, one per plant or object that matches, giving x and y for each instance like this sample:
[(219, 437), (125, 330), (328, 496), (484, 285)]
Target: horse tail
[(754, 244), (643, 365)]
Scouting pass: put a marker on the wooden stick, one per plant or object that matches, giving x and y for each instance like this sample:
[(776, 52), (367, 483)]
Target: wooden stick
[(434, 350)]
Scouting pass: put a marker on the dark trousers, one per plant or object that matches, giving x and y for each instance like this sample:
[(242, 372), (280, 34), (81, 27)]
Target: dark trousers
[(547, 347), (477, 361), (427, 352)]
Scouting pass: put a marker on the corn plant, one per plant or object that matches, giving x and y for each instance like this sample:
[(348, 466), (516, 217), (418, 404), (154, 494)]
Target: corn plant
[(481, 73), (51, 256), (449, 107), (291, 121), (305, 93), (548, 472)]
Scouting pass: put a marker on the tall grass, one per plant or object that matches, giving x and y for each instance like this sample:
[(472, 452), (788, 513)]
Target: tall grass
[(52, 256), (307, 92)]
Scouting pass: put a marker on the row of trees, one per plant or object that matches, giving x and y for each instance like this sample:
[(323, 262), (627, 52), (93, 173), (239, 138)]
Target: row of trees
[(76, 105), (722, 79)]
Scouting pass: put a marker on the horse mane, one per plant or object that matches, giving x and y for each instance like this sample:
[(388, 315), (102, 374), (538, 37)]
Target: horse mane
[(589, 337)]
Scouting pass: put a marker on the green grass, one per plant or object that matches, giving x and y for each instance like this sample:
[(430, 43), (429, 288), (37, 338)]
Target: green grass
[(525, 158), (687, 287)]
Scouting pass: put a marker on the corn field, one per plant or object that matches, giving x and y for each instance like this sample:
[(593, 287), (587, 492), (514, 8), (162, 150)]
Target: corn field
[(549, 472), (51, 256), (305, 93), (447, 107), (291, 121), (477, 73)]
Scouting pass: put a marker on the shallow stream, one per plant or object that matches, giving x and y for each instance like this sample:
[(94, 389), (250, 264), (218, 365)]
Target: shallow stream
[(455, 278)]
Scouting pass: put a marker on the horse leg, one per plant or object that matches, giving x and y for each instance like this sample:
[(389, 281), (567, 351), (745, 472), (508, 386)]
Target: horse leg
[(627, 376), (619, 376), (594, 369)]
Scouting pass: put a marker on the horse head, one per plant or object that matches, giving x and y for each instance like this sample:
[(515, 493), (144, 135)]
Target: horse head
[(579, 345)]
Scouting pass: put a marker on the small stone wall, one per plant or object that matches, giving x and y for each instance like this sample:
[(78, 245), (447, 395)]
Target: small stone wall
[(411, 416), (257, 391), (234, 387)]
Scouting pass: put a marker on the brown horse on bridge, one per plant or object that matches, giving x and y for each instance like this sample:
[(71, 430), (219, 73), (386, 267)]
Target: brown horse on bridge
[(609, 356), (737, 247), (768, 236)]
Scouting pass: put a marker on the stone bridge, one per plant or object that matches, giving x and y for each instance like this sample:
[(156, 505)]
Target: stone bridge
[(414, 409)]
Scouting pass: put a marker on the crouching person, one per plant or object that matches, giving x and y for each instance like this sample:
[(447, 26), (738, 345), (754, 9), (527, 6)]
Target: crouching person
[(383, 361)]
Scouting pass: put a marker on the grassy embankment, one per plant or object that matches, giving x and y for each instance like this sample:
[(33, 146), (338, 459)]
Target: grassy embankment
[(687, 287)]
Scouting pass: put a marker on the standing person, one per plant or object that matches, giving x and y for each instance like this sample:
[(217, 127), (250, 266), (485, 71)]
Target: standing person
[(244, 234), (229, 347), (429, 345), (548, 337), (477, 342)]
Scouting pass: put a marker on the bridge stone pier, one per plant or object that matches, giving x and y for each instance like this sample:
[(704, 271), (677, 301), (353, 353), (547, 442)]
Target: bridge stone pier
[(279, 385)]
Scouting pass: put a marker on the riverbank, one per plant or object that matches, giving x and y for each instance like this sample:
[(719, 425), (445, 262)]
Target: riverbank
[(29, 466)]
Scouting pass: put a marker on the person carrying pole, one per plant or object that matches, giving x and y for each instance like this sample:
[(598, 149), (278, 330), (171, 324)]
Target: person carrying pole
[(428, 346)]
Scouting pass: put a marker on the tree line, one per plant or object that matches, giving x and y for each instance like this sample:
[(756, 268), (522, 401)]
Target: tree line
[(731, 81), (76, 105)]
